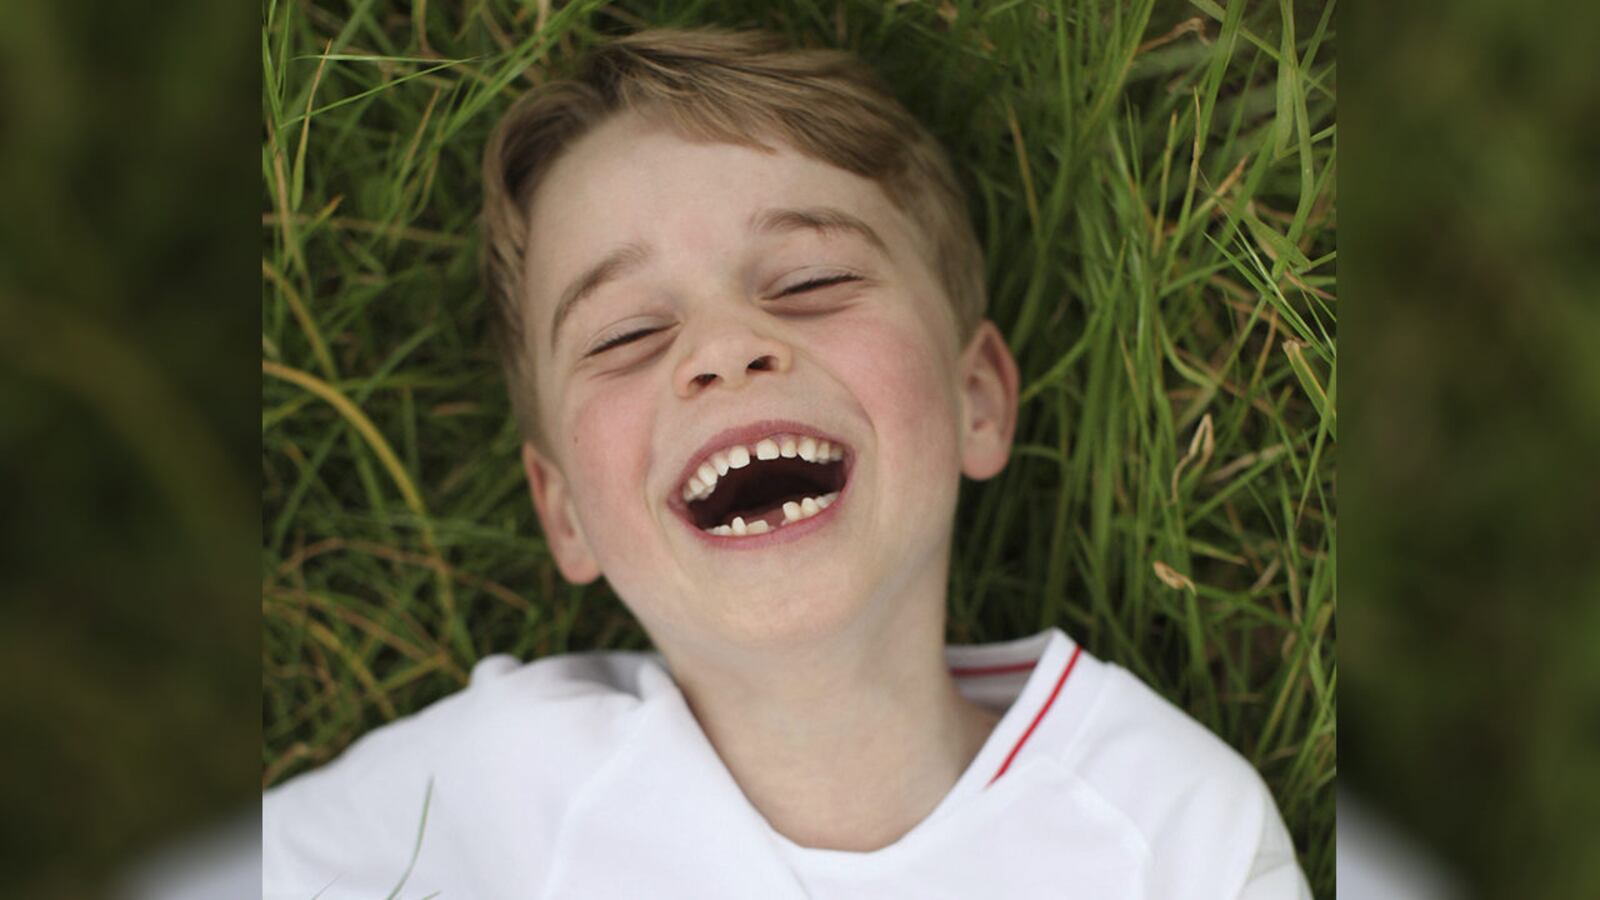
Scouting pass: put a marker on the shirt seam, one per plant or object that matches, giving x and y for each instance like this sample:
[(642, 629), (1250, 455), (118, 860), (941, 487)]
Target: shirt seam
[(581, 797), (1141, 841), (1063, 758), (1263, 795)]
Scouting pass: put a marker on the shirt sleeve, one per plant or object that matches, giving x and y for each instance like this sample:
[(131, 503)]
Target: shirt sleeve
[(1274, 872), (348, 828), (465, 798)]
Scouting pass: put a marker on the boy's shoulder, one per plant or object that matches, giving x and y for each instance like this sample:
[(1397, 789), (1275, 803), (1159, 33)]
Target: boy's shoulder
[(622, 674), (561, 705), (1134, 730), (1098, 720), (574, 697), (1195, 803), (533, 731)]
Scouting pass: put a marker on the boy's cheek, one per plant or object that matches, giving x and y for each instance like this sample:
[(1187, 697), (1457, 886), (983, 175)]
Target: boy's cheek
[(608, 444), (906, 385)]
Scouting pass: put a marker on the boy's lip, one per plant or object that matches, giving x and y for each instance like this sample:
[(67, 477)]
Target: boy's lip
[(748, 435)]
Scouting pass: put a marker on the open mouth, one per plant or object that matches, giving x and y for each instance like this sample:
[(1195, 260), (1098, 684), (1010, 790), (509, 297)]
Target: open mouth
[(749, 489)]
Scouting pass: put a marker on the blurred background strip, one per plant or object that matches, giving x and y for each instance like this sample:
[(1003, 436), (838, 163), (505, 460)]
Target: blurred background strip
[(1469, 484), (129, 433)]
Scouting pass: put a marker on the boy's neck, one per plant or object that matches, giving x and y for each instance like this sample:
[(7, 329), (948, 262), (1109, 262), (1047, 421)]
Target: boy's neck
[(848, 743)]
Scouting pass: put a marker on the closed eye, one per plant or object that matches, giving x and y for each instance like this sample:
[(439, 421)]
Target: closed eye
[(818, 283), (619, 340)]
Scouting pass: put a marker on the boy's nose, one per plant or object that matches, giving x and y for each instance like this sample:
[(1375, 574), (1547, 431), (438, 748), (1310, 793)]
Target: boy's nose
[(730, 358)]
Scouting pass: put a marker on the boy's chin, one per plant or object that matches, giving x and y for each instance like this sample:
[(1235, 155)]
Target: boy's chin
[(782, 615)]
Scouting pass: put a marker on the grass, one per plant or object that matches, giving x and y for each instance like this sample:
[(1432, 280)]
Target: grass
[(1154, 185)]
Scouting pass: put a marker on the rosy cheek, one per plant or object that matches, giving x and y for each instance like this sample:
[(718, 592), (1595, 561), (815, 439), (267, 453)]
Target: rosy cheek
[(896, 369), (607, 434)]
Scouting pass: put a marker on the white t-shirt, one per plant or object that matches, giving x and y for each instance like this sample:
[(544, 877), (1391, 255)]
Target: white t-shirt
[(586, 776)]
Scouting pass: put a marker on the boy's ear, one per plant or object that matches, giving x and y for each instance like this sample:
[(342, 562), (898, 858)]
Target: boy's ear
[(989, 398), (553, 502)]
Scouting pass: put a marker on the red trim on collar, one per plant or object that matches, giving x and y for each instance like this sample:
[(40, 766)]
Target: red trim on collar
[(1040, 716), (976, 671)]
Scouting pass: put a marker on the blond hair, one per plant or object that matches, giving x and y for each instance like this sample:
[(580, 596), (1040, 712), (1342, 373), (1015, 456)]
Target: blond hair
[(736, 87)]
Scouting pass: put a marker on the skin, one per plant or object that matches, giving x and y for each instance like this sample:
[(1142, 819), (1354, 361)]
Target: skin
[(815, 666)]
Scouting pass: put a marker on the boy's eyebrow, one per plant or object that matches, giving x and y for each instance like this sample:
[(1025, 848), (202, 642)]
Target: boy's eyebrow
[(613, 266), (822, 219)]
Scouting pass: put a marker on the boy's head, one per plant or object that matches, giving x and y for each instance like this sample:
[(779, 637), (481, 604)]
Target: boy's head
[(706, 245)]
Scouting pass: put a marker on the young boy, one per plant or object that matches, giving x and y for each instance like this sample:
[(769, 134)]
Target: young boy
[(740, 306)]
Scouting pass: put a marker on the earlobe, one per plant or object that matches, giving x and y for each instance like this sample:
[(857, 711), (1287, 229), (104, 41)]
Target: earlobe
[(553, 503), (989, 384)]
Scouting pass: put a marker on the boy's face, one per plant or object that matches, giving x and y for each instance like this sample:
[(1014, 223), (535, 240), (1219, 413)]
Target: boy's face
[(747, 321)]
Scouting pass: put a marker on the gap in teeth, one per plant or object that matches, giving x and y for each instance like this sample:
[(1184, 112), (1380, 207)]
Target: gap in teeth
[(703, 482), (792, 512)]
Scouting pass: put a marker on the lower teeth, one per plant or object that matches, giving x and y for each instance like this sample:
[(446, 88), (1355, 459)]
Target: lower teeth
[(792, 512)]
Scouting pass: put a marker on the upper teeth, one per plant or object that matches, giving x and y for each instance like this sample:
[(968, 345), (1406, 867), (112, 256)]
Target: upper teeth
[(810, 449)]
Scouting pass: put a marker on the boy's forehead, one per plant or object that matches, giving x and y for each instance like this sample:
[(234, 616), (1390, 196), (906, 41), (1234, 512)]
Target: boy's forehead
[(633, 183), (631, 164)]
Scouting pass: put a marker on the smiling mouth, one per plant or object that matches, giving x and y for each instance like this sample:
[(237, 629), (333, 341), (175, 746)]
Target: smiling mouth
[(749, 490)]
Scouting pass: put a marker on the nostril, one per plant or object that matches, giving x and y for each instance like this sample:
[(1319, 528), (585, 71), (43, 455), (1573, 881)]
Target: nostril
[(760, 364), (704, 379)]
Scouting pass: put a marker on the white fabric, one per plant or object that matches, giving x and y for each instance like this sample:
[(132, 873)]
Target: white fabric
[(586, 776)]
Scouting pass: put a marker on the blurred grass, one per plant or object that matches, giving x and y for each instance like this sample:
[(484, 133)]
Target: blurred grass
[(1473, 712), (1154, 186), (128, 543)]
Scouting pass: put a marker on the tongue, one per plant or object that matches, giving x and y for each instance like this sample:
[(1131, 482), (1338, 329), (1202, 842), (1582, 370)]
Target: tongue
[(773, 517), (771, 511)]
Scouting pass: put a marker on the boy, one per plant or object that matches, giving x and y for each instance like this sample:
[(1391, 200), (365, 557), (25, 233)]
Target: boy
[(741, 311)]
